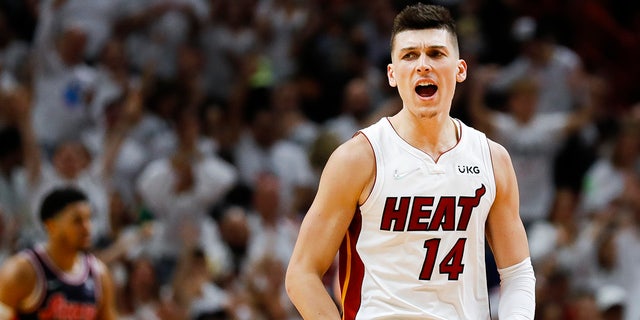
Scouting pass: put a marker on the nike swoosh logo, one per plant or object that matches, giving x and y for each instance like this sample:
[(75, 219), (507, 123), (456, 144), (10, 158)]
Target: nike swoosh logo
[(399, 175)]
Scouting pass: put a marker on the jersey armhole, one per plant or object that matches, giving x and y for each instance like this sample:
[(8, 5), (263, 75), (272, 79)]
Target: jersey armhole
[(36, 297), (377, 178), (96, 271)]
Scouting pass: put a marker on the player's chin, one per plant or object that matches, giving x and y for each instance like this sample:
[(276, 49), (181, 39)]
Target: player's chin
[(84, 244)]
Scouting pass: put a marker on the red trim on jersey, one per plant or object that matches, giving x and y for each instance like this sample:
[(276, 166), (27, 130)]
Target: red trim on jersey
[(351, 269)]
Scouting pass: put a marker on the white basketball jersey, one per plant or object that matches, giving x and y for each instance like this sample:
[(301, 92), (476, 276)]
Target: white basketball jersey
[(415, 249)]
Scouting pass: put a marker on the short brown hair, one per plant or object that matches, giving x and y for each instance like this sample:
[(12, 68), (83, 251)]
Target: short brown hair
[(421, 16)]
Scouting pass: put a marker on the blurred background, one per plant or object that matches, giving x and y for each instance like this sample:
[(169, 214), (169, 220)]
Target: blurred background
[(198, 128)]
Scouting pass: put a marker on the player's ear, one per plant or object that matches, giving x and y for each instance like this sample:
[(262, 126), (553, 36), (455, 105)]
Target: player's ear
[(390, 76), (461, 75)]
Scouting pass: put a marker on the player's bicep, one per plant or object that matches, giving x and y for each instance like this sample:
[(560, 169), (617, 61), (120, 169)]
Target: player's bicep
[(505, 232), (343, 180)]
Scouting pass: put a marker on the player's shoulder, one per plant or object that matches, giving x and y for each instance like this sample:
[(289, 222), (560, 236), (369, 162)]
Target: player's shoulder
[(98, 266), (18, 271), (499, 154), (356, 151)]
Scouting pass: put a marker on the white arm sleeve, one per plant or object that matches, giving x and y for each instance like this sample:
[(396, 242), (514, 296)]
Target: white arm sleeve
[(517, 292)]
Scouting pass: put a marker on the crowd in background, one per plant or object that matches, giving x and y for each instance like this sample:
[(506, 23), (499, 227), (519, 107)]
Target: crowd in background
[(198, 128)]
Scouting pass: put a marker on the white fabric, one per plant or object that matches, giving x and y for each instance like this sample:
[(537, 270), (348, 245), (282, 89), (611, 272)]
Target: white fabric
[(517, 291), (130, 160), (555, 94), (175, 212), (288, 161), (392, 287), (95, 17), (628, 258), (61, 92), (603, 183), (270, 241)]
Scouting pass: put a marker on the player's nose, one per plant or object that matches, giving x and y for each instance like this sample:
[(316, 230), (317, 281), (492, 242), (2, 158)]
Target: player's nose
[(423, 64)]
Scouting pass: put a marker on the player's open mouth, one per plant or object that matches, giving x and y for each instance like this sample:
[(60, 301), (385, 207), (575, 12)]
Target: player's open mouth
[(426, 90)]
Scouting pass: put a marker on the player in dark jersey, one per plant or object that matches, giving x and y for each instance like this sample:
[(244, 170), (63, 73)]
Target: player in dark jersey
[(58, 279)]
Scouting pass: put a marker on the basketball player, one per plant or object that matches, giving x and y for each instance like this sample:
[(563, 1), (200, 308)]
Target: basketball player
[(58, 279), (409, 200)]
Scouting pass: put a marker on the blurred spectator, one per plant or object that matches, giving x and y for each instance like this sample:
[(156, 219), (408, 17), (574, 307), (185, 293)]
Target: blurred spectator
[(194, 290), (555, 69), (179, 191), (155, 29), (14, 52), (236, 234), (272, 232), (295, 125), (532, 138), (262, 150), (63, 84), (162, 100), (376, 29), (356, 107), (611, 302), (227, 39), (141, 297), (604, 263), (95, 17), (273, 235), (189, 74), (583, 306), (320, 151), (558, 239), (10, 163), (113, 78), (279, 24), (111, 138), (614, 177)]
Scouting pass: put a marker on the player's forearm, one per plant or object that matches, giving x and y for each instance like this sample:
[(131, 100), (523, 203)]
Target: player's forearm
[(517, 296), (310, 297)]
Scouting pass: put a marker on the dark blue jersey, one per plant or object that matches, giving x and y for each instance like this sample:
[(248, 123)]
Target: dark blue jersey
[(59, 295)]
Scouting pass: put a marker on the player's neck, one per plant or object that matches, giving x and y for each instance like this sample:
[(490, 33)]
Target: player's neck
[(63, 257)]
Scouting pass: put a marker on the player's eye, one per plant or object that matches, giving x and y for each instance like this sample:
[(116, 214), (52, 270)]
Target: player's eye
[(436, 54), (409, 55)]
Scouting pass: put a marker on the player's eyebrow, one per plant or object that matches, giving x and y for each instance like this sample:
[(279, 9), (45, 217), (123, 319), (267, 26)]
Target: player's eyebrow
[(432, 47)]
